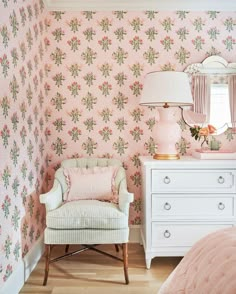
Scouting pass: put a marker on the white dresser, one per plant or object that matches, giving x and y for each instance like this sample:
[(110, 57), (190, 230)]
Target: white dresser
[(184, 200)]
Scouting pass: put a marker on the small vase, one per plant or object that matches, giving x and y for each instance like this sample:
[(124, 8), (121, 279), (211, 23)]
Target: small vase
[(204, 144)]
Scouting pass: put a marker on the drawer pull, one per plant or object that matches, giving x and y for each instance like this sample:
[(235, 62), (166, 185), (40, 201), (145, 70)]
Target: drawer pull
[(167, 206), (221, 206), (167, 234), (221, 180), (166, 180)]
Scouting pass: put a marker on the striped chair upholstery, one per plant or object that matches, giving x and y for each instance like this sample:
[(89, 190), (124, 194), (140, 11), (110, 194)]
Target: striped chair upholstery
[(86, 222)]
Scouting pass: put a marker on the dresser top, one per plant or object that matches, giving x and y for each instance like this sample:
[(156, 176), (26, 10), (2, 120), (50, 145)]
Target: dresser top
[(188, 162)]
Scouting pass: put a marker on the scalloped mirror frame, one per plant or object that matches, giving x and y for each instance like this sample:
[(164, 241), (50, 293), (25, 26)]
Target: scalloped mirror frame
[(212, 65)]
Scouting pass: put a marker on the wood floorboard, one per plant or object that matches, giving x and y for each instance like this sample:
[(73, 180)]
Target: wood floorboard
[(92, 273)]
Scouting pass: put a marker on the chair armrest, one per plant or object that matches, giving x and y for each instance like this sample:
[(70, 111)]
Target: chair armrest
[(125, 198), (53, 198)]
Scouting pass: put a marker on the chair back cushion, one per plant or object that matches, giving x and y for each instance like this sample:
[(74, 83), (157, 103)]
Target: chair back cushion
[(95, 183), (89, 163)]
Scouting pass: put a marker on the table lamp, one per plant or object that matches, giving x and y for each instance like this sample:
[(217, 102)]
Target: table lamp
[(167, 89)]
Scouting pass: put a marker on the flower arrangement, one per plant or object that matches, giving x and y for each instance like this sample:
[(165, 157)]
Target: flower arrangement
[(197, 132)]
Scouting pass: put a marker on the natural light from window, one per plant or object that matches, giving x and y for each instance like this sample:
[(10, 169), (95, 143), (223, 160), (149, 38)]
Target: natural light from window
[(220, 107)]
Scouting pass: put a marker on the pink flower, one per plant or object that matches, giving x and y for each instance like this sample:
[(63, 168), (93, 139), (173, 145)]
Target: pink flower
[(204, 131), (211, 129)]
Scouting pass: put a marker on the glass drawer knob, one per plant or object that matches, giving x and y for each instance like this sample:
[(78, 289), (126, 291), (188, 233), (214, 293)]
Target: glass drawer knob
[(167, 206), (166, 180), (167, 234), (221, 180), (221, 206)]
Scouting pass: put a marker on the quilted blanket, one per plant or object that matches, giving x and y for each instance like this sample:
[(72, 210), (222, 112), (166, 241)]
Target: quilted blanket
[(208, 268)]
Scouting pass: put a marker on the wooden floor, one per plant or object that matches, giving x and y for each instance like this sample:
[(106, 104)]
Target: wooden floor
[(90, 272)]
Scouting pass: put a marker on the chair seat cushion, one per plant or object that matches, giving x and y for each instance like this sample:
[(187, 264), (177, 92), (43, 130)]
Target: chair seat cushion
[(87, 214)]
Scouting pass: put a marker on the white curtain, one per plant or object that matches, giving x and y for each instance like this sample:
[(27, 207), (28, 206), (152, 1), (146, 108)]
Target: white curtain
[(232, 97), (201, 88)]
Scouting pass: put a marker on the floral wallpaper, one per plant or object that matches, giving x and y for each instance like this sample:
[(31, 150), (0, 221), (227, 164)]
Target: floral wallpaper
[(70, 86), (96, 68), (22, 129)]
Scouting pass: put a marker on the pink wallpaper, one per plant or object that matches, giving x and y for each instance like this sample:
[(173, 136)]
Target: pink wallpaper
[(97, 63), (70, 86), (22, 126)]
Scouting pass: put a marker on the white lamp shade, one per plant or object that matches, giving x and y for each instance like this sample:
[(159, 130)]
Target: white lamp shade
[(169, 87)]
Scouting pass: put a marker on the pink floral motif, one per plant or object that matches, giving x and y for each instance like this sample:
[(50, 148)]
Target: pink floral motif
[(74, 43), (74, 88)]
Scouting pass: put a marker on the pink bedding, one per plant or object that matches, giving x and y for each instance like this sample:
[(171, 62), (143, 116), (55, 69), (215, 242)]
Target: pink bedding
[(208, 268)]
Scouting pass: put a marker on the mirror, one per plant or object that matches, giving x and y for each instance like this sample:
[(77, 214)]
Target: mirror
[(213, 84)]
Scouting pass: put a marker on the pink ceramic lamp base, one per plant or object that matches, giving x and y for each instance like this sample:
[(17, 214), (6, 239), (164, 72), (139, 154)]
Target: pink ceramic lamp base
[(167, 133)]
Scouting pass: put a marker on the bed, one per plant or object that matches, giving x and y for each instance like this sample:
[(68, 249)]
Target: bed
[(208, 268)]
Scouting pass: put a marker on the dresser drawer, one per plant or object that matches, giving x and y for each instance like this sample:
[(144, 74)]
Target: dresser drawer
[(194, 181), (181, 234), (190, 207)]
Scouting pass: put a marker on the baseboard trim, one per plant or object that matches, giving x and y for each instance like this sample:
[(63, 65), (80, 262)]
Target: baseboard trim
[(134, 234), (19, 276), (33, 256)]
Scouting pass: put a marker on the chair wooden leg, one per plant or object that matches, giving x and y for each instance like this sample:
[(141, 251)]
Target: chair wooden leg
[(67, 248), (117, 248), (47, 261), (125, 261)]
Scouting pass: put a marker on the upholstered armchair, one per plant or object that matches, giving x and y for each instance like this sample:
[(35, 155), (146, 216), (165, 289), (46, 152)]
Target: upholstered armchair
[(86, 222)]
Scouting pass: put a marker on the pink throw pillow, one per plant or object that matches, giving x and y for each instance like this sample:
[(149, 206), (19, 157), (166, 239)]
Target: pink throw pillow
[(97, 183)]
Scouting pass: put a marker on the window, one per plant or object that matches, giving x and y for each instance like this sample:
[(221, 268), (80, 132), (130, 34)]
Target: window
[(219, 107)]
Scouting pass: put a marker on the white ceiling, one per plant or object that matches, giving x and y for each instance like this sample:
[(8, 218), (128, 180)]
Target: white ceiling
[(135, 5)]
